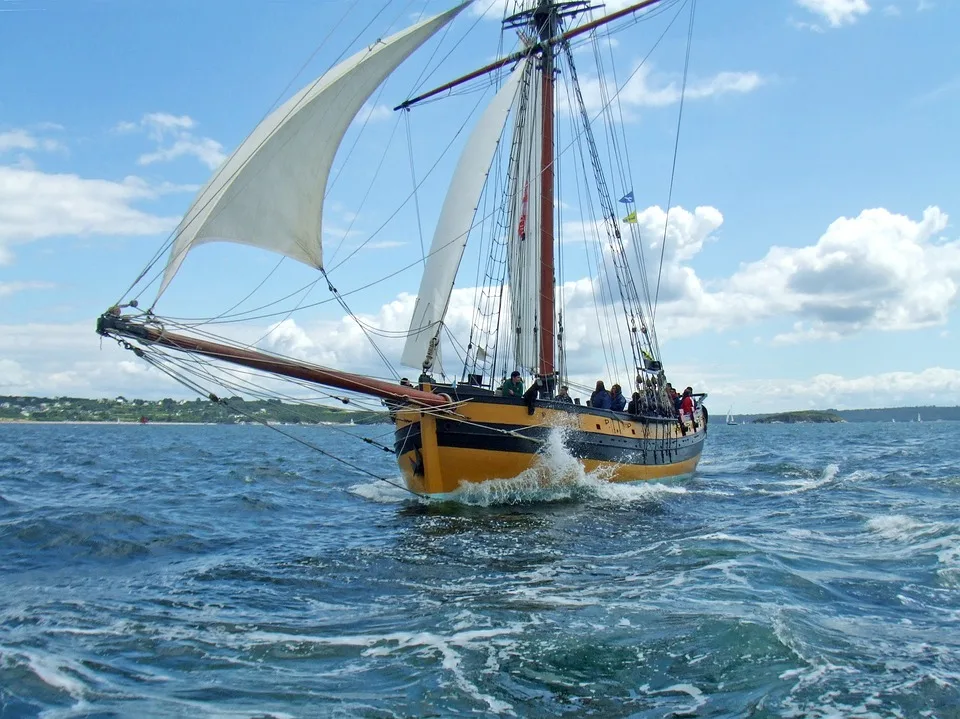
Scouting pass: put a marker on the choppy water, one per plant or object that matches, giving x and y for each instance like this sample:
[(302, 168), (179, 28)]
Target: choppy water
[(807, 571)]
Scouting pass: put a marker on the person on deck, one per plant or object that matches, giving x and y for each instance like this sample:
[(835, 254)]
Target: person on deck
[(600, 399), (512, 387), (673, 397), (635, 404), (687, 406), (531, 395), (617, 400), (564, 395)]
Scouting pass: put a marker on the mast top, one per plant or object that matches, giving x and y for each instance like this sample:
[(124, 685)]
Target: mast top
[(544, 9), (538, 15)]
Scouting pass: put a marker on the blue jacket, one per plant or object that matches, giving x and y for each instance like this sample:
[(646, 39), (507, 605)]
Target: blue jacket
[(600, 400), (618, 403)]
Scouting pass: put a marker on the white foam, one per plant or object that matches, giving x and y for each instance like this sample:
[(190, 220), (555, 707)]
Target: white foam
[(56, 672), (689, 689), (382, 492), (828, 475), (383, 645), (809, 534), (894, 526), (549, 597), (558, 476)]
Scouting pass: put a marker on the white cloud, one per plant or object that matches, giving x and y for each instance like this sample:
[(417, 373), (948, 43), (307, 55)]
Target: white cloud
[(879, 271), (11, 288), (175, 138), (685, 233), (67, 359), (384, 245), (35, 205), (836, 12), (645, 89), (373, 113), (944, 90), (24, 140), (209, 152), (932, 386)]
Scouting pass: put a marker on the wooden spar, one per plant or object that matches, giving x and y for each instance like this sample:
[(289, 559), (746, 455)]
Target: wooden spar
[(110, 324), (588, 26), (547, 20), (497, 64), (466, 78)]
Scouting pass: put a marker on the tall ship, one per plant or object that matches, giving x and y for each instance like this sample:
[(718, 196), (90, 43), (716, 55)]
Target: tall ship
[(539, 169)]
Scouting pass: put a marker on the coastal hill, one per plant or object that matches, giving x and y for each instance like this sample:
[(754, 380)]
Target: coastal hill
[(799, 417), (201, 411), (882, 414)]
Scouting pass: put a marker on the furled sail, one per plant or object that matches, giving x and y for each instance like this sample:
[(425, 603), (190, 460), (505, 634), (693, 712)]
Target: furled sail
[(453, 227), (269, 193), (523, 257)]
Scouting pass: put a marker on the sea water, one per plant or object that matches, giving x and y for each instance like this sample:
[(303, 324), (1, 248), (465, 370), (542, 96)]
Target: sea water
[(228, 571)]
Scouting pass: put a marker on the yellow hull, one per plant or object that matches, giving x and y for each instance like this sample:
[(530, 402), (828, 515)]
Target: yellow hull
[(489, 438)]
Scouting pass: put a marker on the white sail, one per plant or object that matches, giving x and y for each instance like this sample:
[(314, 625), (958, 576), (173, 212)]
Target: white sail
[(269, 193), (523, 258), (456, 218)]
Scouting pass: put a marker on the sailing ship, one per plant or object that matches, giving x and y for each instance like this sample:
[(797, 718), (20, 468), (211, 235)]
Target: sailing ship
[(454, 429), (730, 419)]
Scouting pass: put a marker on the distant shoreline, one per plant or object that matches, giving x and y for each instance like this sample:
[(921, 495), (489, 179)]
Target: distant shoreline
[(98, 421), (163, 423), (231, 410)]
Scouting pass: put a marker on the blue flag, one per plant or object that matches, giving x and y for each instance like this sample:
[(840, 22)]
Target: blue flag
[(628, 198)]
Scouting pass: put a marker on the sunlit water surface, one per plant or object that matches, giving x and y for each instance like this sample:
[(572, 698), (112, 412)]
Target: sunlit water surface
[(165, 571)]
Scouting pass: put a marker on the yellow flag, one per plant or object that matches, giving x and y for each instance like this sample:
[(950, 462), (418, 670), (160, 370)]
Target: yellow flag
[(632, 217)]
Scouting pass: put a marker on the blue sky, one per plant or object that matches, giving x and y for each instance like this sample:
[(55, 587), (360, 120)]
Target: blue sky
[(802, 112)]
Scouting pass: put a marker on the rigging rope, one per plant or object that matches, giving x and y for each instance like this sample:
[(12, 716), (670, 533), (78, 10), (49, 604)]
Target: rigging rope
[(246, 316), (416, 195), (676, 148), (172, 237), (187, 382)]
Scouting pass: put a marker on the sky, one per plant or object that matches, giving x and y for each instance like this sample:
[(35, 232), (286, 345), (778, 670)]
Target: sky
[(812, 259)]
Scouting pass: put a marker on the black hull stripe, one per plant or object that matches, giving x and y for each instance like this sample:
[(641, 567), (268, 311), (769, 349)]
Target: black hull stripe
[(583, 445)]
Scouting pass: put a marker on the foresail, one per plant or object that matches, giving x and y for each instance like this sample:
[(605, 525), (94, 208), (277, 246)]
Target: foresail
[(269, 193), (453, 227)]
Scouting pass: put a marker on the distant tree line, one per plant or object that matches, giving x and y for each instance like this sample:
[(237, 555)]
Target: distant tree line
[(885, 414), (236, 411)]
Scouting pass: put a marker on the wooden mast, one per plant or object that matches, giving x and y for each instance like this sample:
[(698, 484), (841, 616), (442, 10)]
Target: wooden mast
[(545, 22)]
